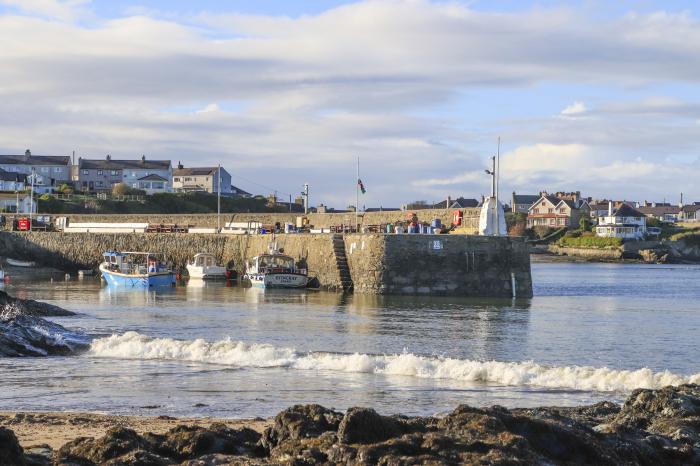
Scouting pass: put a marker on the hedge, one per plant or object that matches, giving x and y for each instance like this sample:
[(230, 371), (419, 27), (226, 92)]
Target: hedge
[(589, 242)]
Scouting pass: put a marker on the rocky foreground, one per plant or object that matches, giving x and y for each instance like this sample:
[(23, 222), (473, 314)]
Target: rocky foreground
[(653, 427)]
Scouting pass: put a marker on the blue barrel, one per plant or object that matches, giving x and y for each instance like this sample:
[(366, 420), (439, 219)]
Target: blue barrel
[(411, 229), (436, 223), (399, 230), (263, 231)]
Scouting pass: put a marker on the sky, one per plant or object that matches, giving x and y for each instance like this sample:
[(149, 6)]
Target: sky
[(597, 96)]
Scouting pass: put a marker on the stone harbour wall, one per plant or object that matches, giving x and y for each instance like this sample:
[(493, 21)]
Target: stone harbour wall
[(471, 218), (456, 265)]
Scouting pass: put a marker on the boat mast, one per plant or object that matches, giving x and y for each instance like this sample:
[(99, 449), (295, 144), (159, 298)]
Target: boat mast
[(357, 197), (218, 199), (497, 170)]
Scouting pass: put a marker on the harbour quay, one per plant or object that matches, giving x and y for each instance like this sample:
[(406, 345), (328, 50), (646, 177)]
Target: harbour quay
[(375, 263)]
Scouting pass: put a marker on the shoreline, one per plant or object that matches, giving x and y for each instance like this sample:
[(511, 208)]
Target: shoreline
[(650, 427), (56, 428)]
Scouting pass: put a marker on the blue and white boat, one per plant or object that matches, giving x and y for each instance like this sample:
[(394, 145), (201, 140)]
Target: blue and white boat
[(135, 270)]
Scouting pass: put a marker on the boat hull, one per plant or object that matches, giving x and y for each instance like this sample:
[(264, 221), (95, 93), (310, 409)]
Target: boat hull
[(207, 273), (150, 280), (16, 263), (278, 280)]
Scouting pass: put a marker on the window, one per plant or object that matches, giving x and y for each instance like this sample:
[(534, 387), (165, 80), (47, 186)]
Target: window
[(176, 179), (550, 210), (44, 169), (115, 172), (188, 179), (57, 169), (99, 172), (537, 211), (86, 172), (99, 183)]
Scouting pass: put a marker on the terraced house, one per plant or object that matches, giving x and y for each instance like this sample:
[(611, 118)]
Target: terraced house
[(100, 175), (47, 171), (553, 212)]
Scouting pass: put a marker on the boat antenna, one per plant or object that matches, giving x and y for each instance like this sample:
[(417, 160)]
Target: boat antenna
[(497, 175)]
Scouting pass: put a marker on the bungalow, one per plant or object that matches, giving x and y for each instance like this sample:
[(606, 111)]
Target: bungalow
[(664, 213), (690, 213), (625, 222), (552, 212)]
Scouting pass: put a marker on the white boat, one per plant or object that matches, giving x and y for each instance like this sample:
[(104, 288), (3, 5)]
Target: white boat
[(204, 266), (275, 270), (16, 263)]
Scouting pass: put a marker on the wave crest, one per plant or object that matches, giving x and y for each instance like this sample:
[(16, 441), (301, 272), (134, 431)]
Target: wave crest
[(132, 345)]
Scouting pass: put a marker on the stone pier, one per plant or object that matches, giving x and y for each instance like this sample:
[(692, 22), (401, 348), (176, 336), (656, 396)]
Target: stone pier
[(453, 265)]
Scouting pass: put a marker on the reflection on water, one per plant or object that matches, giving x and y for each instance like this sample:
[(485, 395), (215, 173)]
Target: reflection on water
[(617, 316)]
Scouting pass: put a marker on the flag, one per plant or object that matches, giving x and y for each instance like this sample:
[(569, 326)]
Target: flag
[(361, 186)]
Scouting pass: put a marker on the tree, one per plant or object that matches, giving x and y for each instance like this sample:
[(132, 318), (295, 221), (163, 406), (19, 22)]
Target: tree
[(584, 224), (120, 189)]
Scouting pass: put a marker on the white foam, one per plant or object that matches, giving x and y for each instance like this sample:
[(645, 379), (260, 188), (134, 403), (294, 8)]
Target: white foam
[(132, 345)]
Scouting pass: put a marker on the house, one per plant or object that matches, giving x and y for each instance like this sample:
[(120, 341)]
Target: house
[(553, 212), (48, 171), (100, 175), (12, 181), (665, 213), (690, 213), (520, 203), (625, 222), (238, 192), (449, 203), (201, 179), (19, 202)]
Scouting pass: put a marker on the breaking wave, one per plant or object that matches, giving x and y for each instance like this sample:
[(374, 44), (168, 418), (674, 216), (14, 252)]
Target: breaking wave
[(27, 335), (132, 345)]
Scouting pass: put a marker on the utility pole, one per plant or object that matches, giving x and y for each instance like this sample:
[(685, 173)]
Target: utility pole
[(357, 196), (218, 199), (31, 199)]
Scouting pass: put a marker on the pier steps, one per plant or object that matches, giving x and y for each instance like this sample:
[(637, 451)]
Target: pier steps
[(341, 260)]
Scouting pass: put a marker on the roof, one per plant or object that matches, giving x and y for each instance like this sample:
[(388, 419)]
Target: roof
[(195, 171), (626, 210), (152, 177), (11, 176), (34, 160), (659, 210), (239, 192), (131, 164), (691, 208), (463, 203), (526, 198)]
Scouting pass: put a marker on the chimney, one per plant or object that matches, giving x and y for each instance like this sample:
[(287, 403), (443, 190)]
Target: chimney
[(449, 202), (27, 154), (179, 165), (109, 157), (610, 209)]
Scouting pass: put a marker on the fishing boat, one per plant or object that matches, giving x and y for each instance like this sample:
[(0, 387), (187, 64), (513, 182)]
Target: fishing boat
[(204, 266), (275, 270), (18, 263), (135, 270)]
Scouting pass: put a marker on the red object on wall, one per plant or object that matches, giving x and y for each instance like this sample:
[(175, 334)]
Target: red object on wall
[(457, 217), (23, 224)]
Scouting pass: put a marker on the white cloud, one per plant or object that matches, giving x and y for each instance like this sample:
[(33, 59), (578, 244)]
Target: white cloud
[(354, 80), (574, 109)]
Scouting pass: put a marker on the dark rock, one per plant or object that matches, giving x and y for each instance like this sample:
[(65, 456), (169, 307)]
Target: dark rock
[(189, 442), (11, 453), (365, 425), (38, 455), (300, 421), (26, 335), (140, 458), (116, 442), (30, 307)]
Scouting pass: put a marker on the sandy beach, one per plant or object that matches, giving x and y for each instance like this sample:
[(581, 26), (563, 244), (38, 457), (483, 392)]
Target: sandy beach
[(56, 429)]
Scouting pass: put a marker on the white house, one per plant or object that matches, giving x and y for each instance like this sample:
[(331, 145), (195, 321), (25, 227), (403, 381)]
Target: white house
[(626, 222), (201, 179), (20, 202)]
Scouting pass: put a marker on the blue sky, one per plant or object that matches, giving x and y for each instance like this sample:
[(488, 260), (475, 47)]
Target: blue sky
[(597, 96)]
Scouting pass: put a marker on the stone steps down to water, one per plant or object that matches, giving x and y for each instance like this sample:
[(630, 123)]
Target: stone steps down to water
[(653, 427)]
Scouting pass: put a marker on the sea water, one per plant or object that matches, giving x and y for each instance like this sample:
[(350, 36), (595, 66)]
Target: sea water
[(592, 332)]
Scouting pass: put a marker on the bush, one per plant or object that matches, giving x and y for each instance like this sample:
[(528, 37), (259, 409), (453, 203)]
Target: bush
[(590, 242), (690, 238), (572, 234), (120, 189), (542, 231), (584, 224)]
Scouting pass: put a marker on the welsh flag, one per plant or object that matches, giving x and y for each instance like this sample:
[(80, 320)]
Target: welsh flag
[(361, 186)]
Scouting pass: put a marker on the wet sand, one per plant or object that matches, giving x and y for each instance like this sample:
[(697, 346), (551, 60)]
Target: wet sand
[(56, 429)]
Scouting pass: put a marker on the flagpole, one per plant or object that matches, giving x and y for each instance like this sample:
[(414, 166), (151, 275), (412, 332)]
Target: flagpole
[(357, 196)]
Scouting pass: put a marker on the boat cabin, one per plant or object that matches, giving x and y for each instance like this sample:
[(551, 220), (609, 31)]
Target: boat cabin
[(204, 260), (133, 263), (271, 263)]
